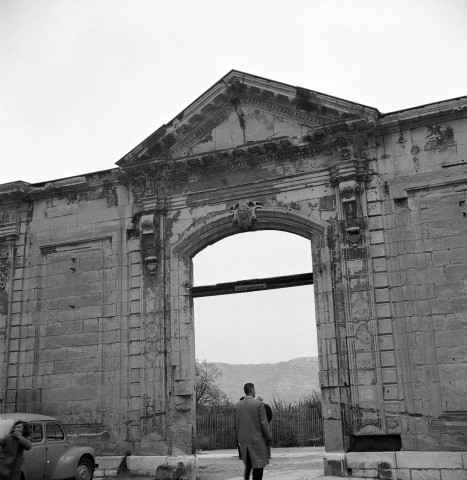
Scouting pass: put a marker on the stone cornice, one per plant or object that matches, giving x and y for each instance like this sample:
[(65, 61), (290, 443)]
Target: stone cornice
[(439, 112), (14, 191), (58, 186), (344, 145), (326, 139), (77, 184)]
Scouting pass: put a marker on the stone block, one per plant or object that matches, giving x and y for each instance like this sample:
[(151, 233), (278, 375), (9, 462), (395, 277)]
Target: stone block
[(459, 304), (450, 289), (458, 255), (109, 462), (389, 375), (334, 464), (370, 473), (367, 460), (426, 474), (380, 280), (441, 305), (367, 394), (375, 223), (451, 354), (386, 342), (403, 474), (387, 359), (373, 195), (383, 310), (334, 441), (385, 326), (365, 377), (391, 392), (453, 474), (374, 209), (379, 264), (91, 325), (377, 251), (440, 257), (429, 460), (376, 237), (452, 338)]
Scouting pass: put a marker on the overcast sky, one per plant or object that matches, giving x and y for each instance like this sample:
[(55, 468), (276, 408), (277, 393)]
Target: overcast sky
[(84, 81)]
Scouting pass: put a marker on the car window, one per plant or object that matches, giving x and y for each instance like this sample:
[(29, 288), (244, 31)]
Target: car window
[(36, 432), (54, 432), (5, 427)]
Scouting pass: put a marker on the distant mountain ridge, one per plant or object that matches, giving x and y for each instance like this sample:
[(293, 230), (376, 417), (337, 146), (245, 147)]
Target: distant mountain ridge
[(289, 381)]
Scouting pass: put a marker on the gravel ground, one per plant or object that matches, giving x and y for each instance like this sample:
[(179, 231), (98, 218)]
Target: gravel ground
[(286, 463)]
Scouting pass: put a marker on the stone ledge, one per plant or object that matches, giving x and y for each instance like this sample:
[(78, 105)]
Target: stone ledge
[(359, 460), (404, 465), (429, 460)]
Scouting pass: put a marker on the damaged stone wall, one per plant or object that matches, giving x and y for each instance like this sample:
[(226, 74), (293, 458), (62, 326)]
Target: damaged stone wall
[(96, 273)]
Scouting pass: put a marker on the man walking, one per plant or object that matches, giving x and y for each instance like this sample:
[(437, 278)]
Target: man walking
[(253, 433)]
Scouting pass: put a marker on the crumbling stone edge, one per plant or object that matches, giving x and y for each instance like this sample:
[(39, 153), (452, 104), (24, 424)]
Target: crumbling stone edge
[(184, 466)]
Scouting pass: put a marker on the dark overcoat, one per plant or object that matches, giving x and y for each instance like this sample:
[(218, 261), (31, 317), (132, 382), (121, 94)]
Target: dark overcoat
[(252, 429), (11, 456)]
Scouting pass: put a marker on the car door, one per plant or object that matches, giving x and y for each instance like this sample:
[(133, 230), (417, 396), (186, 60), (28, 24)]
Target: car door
[(57, 445), (35, 459)]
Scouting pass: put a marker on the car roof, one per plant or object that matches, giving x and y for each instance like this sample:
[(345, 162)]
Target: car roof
[(25, 417)]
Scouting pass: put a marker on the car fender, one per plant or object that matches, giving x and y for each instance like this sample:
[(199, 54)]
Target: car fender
[(66, 465)]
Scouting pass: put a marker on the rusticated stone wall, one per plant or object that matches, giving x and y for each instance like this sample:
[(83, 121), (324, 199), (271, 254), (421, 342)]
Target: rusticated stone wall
[(96, 310)]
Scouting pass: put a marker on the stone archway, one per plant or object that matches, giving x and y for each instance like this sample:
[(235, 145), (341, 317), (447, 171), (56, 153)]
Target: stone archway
[(205, 232)]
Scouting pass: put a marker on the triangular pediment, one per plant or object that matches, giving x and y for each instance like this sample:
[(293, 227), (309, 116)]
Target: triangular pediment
[(241, 109)]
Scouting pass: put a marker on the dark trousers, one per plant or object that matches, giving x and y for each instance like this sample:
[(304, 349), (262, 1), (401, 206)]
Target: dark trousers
[(257, 472)]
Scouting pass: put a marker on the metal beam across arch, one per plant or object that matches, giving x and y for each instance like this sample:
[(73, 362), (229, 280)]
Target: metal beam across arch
[(253, 285)]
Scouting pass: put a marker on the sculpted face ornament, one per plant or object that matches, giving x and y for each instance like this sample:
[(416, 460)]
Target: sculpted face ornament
[(244, 214)]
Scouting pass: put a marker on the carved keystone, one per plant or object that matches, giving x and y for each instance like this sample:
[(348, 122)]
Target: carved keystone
[(244, 214)]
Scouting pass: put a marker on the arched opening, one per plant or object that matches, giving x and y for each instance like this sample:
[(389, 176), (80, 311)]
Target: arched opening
[(255, 330)]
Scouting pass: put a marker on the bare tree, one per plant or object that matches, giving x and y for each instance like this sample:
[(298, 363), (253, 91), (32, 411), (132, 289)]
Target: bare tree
[(208, 393)]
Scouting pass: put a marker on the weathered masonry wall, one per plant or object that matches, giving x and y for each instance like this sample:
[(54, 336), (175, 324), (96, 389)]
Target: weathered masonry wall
[(425, 223), (96, 312)]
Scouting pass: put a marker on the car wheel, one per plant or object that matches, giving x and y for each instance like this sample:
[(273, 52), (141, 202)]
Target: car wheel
[(85, 469)]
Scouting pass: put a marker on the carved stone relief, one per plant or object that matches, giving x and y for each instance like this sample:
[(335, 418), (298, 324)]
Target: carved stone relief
[(244, 214), (4, 272)]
